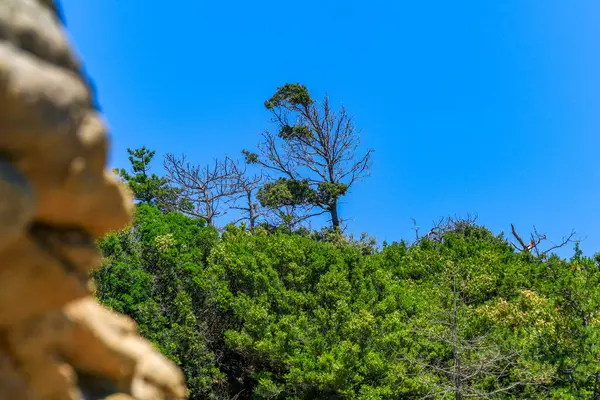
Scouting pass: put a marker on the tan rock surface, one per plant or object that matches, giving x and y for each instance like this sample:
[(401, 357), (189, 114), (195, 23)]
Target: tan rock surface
[(56, 199)]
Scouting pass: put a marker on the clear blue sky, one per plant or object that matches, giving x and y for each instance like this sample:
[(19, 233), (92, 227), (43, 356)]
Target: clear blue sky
[(487, 107)]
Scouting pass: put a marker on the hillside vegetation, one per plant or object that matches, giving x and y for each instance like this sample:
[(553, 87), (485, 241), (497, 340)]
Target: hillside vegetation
[(280, 315), (265, 308)]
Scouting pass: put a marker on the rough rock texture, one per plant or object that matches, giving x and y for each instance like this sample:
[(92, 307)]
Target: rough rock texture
[(56, 199)]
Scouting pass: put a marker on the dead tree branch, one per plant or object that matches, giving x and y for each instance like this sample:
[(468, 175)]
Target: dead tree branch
[(205, 188), (243, 197), (443, 226), (536, 239)]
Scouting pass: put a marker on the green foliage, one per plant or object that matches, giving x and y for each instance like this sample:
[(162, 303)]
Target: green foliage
[(290, 95), (150, 188), (308, 312), (291, 192), (299, 132), (151, 272), (250, 157), (330, 192), (316, 315), (285, 192)]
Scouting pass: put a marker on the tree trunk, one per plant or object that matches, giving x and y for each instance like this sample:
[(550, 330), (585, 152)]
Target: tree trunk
[(210, 213), (455, 350), (335, 219), (251, 216)]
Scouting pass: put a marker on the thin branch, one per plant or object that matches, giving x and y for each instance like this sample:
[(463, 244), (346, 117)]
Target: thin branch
[(537, 238)]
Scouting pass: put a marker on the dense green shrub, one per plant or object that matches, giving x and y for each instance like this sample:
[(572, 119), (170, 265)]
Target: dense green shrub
[(274, 315)]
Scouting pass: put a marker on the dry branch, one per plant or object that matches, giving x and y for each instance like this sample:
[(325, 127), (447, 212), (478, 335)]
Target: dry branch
[(536, 239), (206, 188)]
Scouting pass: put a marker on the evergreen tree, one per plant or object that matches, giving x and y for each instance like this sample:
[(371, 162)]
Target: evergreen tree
[(148, 187)]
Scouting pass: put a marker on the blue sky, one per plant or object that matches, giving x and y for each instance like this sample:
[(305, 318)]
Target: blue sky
[(483, 107)]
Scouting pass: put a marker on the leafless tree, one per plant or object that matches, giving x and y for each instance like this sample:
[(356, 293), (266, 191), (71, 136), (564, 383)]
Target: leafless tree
[(444, 225), (205, 188), (313, 143), (536, 239), (243, 197)]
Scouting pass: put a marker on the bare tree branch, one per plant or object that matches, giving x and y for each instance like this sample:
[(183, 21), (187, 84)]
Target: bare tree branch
[(243, 197), (537, 238), (444, 225), (205, 188)]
